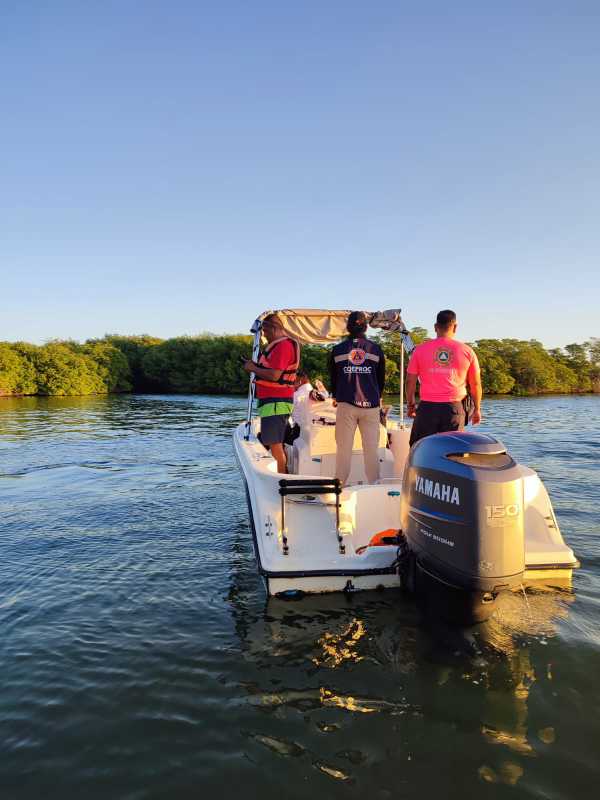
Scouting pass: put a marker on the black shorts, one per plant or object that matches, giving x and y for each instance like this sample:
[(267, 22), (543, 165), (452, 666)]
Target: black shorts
[(437, 418), (273, 429)]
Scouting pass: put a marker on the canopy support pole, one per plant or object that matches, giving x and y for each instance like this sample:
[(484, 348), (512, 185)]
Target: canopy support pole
[(401, 383), (255, 329)]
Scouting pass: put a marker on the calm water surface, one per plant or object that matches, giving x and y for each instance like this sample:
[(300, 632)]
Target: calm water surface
[(140, 658)]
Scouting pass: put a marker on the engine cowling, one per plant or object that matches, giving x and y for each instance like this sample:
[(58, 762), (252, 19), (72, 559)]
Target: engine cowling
[(462, 512)]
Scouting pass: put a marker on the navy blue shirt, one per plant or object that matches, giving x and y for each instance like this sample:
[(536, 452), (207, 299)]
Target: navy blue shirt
[(357, 372)]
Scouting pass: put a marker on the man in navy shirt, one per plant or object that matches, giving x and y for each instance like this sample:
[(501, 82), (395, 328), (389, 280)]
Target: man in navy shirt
[(357, 373)]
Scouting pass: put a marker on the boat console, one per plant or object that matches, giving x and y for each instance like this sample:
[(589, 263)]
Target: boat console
[(314, 451)]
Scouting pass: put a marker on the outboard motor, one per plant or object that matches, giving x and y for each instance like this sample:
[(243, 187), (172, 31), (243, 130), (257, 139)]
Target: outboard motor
[(463, 519)]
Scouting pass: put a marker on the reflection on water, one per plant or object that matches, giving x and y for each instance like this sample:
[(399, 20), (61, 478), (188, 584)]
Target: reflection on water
[(142, 659), (328, 637)]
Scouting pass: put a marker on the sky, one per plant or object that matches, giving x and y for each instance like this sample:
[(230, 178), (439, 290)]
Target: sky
[(173, 167)]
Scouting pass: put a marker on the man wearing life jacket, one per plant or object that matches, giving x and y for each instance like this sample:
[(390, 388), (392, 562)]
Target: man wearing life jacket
[(275, 376), (444, 367), (357, 372)]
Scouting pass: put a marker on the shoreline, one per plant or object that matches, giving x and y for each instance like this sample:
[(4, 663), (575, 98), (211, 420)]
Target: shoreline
[(392, 395)]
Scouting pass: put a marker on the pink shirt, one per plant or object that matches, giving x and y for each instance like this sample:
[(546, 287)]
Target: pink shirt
[(443, 366)]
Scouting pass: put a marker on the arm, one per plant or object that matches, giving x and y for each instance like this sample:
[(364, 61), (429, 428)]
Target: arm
[(262, 372), (412, 373), (411, 388), (475, 390), (476, 393), (332, 375), (381, 372)]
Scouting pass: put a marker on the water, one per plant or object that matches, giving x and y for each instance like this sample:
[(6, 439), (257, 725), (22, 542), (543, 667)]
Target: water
[(140, 658)]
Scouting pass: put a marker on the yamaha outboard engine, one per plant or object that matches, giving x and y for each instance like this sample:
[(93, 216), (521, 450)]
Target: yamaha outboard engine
[(462, 516)]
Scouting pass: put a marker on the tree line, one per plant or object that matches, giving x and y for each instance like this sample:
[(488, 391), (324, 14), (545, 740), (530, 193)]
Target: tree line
[(210, 364)]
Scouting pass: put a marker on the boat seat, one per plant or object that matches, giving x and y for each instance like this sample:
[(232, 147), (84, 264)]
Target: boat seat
[(314, 453), (357, 465), (320, 436)]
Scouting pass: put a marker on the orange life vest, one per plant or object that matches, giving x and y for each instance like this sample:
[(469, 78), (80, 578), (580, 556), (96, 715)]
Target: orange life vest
[(381, 539), (288, 376)]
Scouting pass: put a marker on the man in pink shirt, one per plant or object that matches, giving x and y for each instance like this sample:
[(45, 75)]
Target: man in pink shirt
[(444, 367)]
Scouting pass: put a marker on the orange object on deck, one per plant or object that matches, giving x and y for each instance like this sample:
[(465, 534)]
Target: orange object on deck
[(381, 539)]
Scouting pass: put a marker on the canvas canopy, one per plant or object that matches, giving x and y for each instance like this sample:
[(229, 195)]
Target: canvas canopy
[(320, 326)]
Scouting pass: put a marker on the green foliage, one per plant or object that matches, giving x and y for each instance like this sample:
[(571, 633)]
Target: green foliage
[(10, 367), (17, 374), (593, 347), (391, 343), (218, 367), (207, 364), (63, 368), (134, 348), (419, 335), (315, 360), (496, 377), (512, 366), (111, 364), (27, 380), (525, 368), (211, 364)]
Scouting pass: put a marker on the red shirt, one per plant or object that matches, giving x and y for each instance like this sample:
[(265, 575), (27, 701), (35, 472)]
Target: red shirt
[(282, 356), (443, 367)]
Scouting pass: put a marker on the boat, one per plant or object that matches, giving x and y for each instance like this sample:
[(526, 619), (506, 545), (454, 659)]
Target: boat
[(454, 519)]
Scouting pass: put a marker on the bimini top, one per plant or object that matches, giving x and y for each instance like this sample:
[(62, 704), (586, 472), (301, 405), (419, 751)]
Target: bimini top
[(320, 326)]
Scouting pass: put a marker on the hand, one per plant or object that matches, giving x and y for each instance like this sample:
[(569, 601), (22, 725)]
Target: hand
[(249, 365), (475, 417), (411, 409)]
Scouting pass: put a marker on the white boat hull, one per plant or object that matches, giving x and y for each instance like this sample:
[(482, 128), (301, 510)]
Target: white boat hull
[(314, 561), (301, 548)]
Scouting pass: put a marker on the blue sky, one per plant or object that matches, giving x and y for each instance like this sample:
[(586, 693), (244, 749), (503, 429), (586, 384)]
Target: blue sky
[(177, 167)]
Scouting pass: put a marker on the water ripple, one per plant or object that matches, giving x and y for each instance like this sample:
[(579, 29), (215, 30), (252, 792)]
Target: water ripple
[(141, 659)]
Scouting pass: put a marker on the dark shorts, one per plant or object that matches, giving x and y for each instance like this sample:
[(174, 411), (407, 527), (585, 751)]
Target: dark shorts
[(437, 418), (273, 429)]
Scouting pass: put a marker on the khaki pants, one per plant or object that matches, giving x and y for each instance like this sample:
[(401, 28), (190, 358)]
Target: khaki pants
[(367, 419)]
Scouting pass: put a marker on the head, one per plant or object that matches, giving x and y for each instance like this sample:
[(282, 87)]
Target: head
[(302, 377), (357, 323), (272, 327), (445, 323)]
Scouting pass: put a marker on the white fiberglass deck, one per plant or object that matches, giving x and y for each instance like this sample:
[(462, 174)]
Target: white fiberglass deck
[(305, 552)]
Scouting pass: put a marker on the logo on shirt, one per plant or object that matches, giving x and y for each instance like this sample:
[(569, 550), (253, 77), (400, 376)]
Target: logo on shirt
[(360, 370), (357, 357), (443, 356)]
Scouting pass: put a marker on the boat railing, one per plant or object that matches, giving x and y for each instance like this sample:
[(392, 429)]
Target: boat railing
[(309, 487)]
